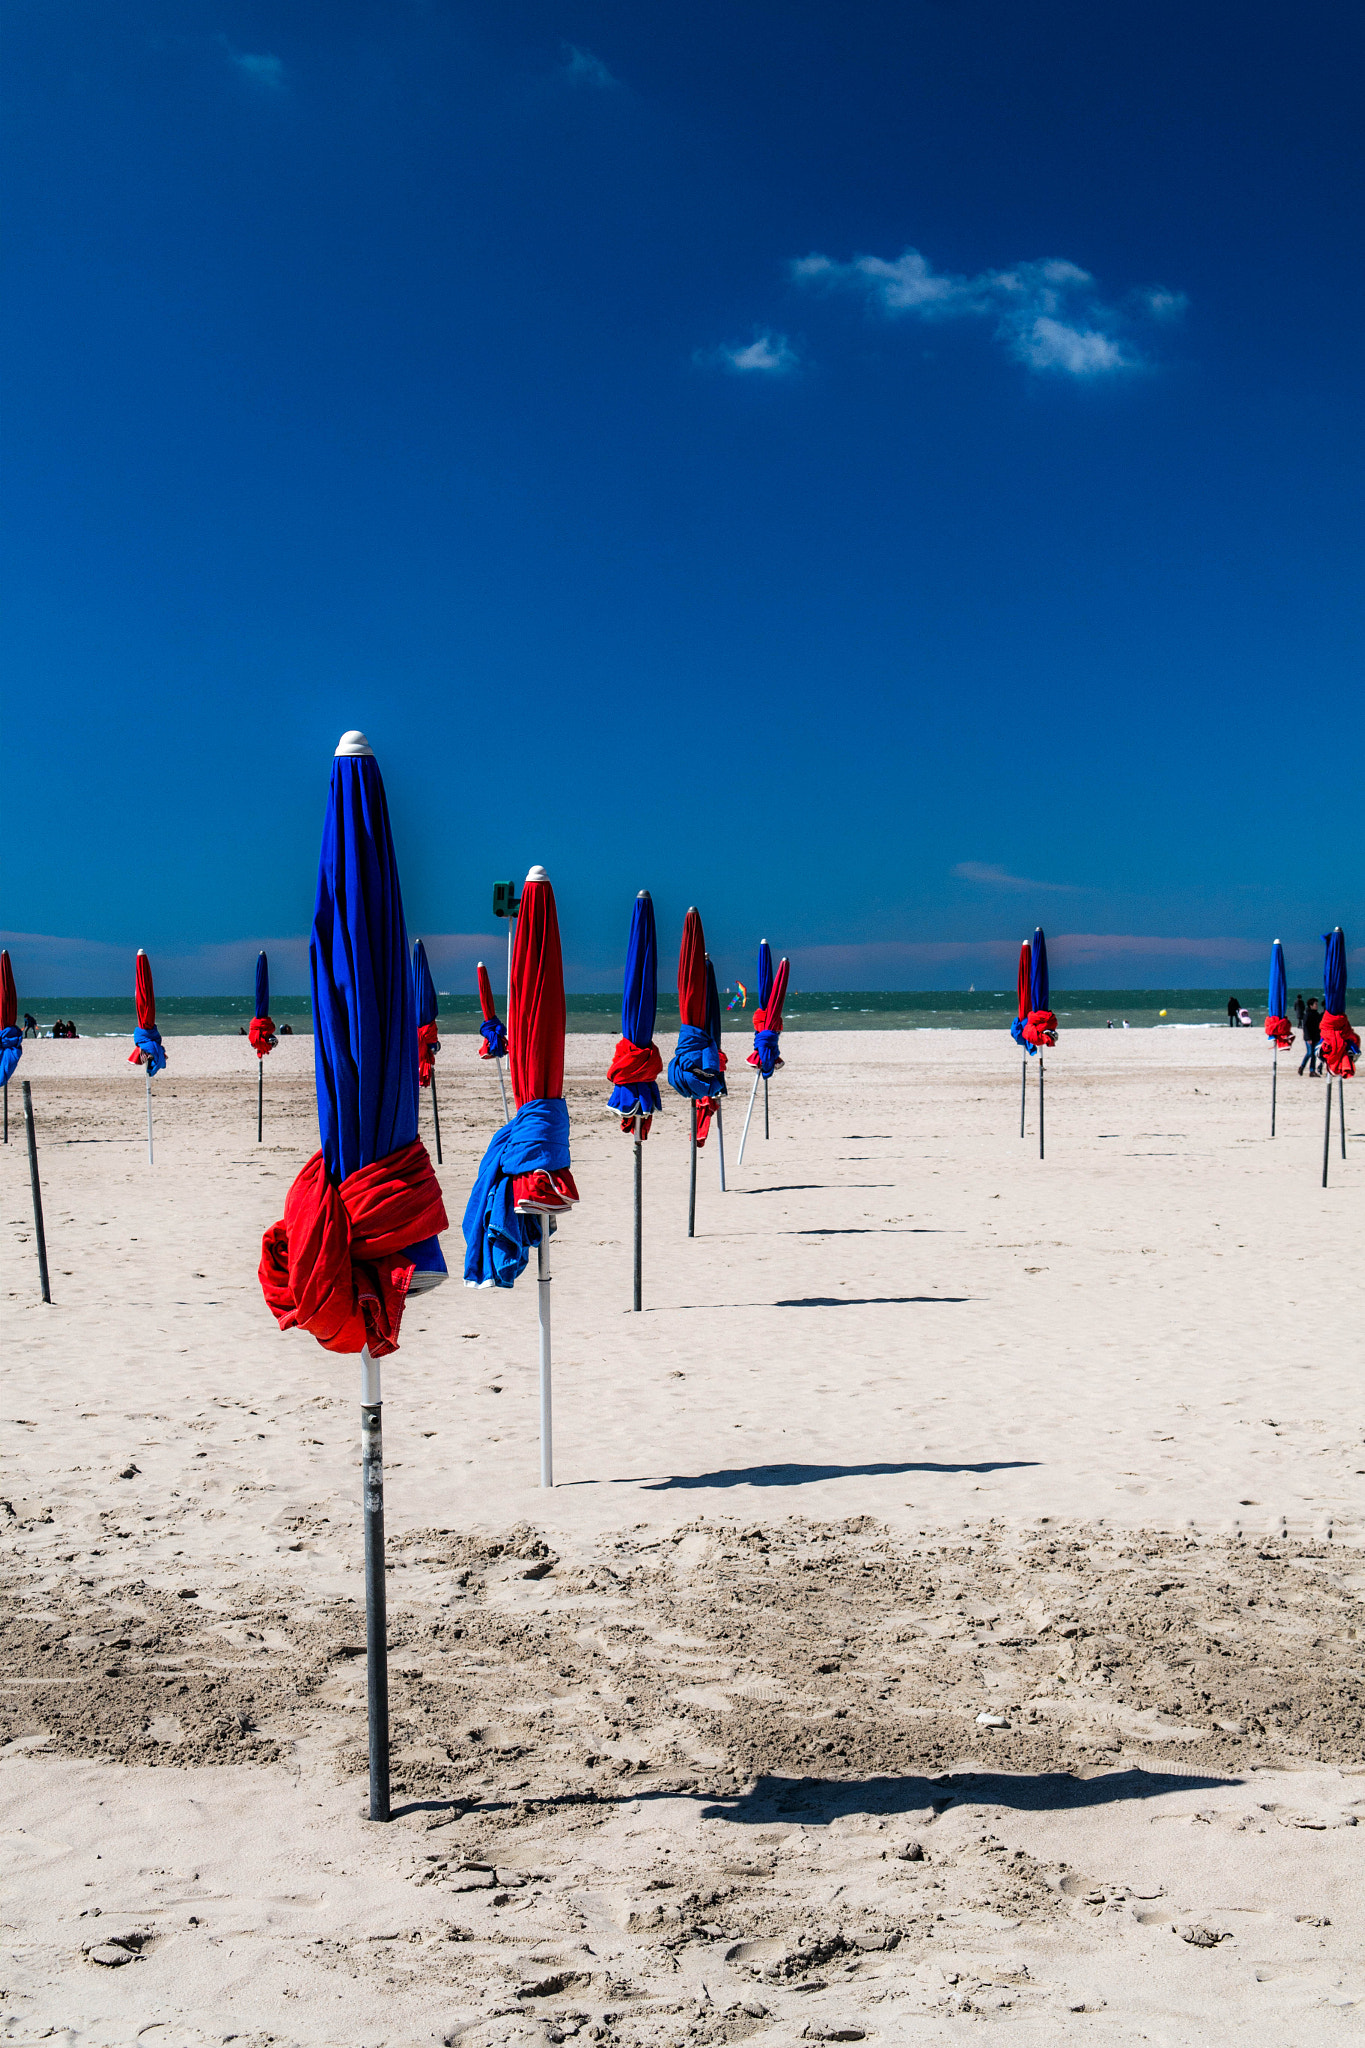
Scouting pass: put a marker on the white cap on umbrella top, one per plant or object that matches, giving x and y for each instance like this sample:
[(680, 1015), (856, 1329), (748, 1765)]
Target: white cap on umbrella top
[(142, 952), (352, 743), (537, 874), (642, 895)]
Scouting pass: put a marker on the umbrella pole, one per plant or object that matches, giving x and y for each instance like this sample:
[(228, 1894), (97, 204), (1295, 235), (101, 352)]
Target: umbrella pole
[(692, 1182), (39, 1232), (506, 1112), (1274, 1078), (7, 1112), (547, 1447), (147, 1072), (765, 1106), (720, 1146), (1327, 1133), (1341, 1112), (1023, 1096), (376, 1610), (436, 1113), (260, 1097), (639, 1224), (1040, 1105), (744, 1134)]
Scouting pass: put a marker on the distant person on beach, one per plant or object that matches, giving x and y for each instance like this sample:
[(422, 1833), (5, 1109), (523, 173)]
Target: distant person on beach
[(1298, 1009), (1234, 1006), (1312, 1035), (30, 1026)]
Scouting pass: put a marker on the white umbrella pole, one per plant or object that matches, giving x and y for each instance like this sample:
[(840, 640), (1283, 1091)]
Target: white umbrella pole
[(1023, 1095), (1274, 1082), (753, 1096), (1040, 1105), (147, 1075), (547, 1447), (1341, 1112), (720, 1146), (639, 1218), (1327, 1133), (506, 1112), (376, 1611), (436, 1117)]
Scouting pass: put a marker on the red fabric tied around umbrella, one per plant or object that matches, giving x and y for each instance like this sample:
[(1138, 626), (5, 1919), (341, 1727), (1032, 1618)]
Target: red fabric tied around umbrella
[(1278, 1029), (1339, 1046), (707, 1105), (535, 1031), (631, 1066), (692, 972), (330, 1266), (428, 1045), (261, 1032), (1040, 1028)]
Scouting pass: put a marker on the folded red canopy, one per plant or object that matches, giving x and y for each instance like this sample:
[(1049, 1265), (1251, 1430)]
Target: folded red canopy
[(535, 1028), (692, 972), (145, 994)]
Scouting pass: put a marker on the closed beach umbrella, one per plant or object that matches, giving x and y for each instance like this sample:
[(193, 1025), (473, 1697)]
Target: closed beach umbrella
[(1040, 1026), (428, 1040), (1340, 1044), (1024, 1003), (11, 1037), (764, 1058), (148, 1052), (637, 1062), (694, 1069), (261, 1033), (709, 1106), (525, 1178), (492, 1031), (361, 1223), (1276, 1022)]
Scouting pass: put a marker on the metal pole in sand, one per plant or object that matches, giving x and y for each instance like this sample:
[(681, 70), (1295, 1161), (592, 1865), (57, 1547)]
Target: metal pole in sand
[(547, 1448), (260, 1097), (1040, 1105), (147, 1073), (1023, 1096), (1341, 1112), (744, 1134), (1327, 1133), (765, 1105), (376, 1608), (639, 1219), (1274, 1079), (692, 1177), (436, 1114), (37, 1192), (7, 1112), (506, 1112), (720, 1145)]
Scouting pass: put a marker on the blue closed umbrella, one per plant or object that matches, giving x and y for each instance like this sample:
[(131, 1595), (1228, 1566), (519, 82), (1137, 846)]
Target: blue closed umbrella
[(1279, 988), (713, 1032), (637, 1063), (1334, 971), (428, 1040), (262, 985), (1039, 991), (1339, 1045), (765, 975), (1276, 1023)]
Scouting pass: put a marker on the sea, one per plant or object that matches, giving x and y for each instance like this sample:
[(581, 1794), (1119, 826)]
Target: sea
[(1142, 1009)]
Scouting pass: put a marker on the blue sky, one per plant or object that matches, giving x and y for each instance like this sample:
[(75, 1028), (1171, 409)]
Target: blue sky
[(887, 474)]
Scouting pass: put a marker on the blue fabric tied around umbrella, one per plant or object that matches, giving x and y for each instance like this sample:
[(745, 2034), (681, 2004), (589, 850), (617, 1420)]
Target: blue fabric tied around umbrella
[(1017, 1034), (766, 1046), (695, 1066), (11, 1047), (149, 1045), (494, 1035), (497, 1240)]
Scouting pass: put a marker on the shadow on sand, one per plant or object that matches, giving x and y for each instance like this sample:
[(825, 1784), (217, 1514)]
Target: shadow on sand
[(817, 1801), (807, 1475)]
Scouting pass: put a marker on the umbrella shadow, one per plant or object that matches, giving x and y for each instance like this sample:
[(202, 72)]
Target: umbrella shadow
[(811, 1187), (865, 1300), (810, 1475), (872, 1230), (818, 1801)]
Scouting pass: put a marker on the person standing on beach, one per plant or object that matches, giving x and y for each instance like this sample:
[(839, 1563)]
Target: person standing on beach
[(1312, 1035), (1298, 1009), (1234, 1005)]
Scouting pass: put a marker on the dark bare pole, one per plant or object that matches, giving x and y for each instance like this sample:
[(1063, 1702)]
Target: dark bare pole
[(1040, 1105), (260, 1097), (37, 1192), (1274, 1078), (376, 1603), (639, 1220), (1341, 1112), (1023, 1095), (765, 1105)]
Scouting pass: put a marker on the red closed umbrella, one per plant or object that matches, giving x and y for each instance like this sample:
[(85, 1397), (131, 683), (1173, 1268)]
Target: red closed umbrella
[(692, 972), (148, 1051), (493, 1033)]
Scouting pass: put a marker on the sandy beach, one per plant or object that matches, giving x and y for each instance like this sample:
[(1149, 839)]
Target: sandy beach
[(950, 1609)]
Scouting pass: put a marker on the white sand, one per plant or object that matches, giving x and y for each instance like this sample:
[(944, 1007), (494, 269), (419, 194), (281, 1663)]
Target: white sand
[(1151, 1338)]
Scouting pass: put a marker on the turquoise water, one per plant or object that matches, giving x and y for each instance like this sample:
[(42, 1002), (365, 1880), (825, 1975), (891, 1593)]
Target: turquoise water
[(827, 1010)]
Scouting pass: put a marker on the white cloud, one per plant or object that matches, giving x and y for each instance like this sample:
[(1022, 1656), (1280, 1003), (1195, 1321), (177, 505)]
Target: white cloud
[(1045, 312), (582, 68), (770, 355), (991, 877), (262, 69)]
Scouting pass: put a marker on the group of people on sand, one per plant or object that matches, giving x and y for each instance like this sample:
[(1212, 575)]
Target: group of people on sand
[(59, 1030), (1310, 1024)]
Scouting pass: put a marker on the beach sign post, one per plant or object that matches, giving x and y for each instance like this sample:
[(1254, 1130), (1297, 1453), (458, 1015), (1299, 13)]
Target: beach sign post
[(694, 1070), (1276, 1023), (428, 1040), (11, 1037), (637, 1063), (525, 1182), (1339, 1046), (362, 1222), (765, 1058), (148, 1051), (493, 1032), (262, 1036)]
